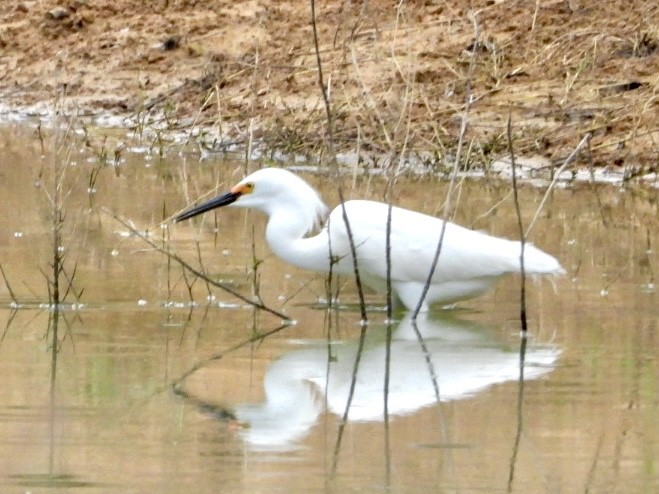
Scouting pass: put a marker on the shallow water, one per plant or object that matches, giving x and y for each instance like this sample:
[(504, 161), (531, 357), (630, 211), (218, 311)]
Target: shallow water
[(131, 387)]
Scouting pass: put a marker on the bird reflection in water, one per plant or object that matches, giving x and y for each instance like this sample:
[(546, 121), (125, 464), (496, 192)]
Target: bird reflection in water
[(461, 356)]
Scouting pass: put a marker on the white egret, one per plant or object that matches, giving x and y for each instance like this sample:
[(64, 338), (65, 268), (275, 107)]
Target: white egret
[(469, 263)]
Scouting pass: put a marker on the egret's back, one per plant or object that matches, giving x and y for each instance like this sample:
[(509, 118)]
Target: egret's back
[(465, 254)]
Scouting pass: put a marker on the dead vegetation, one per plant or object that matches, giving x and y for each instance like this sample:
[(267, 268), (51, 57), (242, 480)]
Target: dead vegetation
[(395, 72)]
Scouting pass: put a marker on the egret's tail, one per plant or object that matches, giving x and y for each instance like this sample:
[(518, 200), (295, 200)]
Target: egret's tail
[(539, 262)]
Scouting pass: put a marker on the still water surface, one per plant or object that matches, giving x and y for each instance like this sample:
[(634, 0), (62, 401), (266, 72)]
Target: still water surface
[(132, 387)]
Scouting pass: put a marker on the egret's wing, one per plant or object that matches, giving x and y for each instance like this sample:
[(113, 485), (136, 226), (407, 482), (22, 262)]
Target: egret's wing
[(465, 254)]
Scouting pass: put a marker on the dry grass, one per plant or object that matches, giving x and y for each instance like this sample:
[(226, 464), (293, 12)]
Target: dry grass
[(397, 74)]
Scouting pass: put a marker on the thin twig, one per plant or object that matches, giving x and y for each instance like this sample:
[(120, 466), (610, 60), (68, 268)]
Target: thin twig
[(520, 414), (454, 174), (565, 164), (176, 384), (388, 261), (193, 270), (12, 295), (522, 237), (351, 394), (330, 135), (387, 381)]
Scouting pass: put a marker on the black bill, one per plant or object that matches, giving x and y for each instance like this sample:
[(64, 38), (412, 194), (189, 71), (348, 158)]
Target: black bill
[(217, 202)]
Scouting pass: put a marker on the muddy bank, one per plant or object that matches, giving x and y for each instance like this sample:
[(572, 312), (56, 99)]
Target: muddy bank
[(400, 77)]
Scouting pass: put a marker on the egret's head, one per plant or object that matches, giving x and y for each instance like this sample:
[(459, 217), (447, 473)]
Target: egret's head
[(271, 191)]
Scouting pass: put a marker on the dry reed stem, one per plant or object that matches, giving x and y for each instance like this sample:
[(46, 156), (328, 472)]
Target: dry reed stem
[(456, 165), (522, 236), (330, 134), (584, 141), (171, 256), (12, 295)]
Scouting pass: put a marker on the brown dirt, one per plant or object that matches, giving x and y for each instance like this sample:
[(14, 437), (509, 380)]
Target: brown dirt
[(399, 74)]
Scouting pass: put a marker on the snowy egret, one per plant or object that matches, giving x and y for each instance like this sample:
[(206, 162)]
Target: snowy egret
[(469, 263)]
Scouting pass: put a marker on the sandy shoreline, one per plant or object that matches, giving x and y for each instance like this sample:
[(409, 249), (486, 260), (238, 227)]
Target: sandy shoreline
[(401, 79)]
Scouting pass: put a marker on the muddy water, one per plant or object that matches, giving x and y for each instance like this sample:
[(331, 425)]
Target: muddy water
[(147, 380)]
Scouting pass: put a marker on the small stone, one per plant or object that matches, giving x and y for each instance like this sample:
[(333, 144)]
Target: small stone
[(58, 13)]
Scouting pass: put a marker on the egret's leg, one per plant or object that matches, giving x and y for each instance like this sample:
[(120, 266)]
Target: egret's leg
[(409, 294)]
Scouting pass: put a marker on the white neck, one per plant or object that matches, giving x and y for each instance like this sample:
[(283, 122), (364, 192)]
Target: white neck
[(285, 236)]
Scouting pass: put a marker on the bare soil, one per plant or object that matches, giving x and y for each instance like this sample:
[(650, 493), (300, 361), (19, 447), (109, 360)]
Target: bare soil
[(400, 75)]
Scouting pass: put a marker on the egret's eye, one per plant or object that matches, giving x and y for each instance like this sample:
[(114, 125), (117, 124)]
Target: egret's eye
[(248, 187)]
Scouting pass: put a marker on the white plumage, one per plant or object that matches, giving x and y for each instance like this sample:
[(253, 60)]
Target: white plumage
[(470, 262)]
